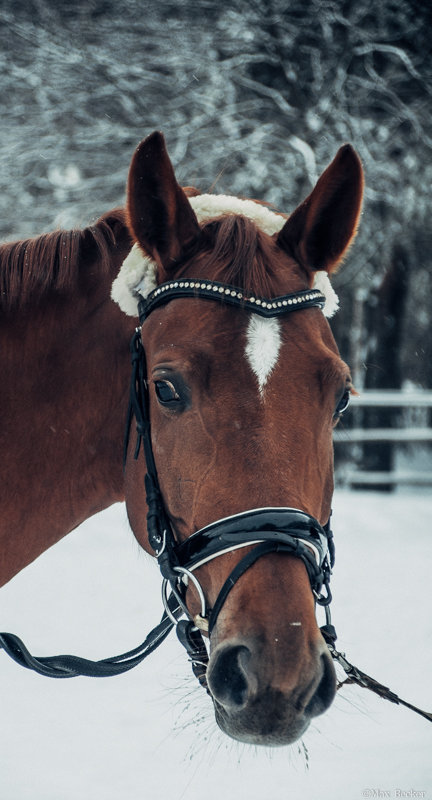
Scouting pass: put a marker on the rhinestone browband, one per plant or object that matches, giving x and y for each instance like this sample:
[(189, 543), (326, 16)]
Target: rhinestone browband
[(212, 290)]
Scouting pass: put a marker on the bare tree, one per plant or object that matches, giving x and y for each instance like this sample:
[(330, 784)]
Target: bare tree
[(254, 99)]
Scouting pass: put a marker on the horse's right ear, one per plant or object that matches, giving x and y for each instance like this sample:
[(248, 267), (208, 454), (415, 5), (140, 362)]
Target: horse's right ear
[(320, 230), (159, 214)]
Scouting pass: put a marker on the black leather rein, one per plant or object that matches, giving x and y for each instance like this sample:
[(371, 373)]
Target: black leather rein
[(263, 531), (268, 530), (176, 561)]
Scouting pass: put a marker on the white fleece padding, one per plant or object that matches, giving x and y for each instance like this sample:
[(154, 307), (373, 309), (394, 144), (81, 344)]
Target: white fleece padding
[(322, 283), (137, 276)]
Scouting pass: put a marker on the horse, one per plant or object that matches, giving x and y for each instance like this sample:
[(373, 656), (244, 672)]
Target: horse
[(64, 385), (240, 384)]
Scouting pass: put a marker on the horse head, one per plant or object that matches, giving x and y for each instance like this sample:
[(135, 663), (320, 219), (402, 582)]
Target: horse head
[(242, 408)]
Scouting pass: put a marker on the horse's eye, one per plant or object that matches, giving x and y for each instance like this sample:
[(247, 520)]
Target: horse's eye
[(343, 403), (166, 392)]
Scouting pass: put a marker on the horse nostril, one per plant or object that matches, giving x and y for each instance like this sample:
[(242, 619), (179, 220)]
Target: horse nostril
[(229, 678), (326, 689)]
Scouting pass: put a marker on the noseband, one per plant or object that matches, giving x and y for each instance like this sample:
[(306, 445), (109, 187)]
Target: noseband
[(262, 530)]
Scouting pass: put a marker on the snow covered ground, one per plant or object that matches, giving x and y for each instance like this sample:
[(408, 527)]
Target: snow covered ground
[(150, 733)]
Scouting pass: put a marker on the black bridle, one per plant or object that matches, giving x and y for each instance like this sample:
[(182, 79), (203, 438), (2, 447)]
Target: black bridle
[(264, 530)]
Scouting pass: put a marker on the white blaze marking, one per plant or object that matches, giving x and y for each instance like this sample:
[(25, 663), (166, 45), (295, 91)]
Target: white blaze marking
[(263, 341)]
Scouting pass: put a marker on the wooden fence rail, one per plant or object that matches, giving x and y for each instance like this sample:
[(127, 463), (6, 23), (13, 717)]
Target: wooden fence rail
[(344, 437)]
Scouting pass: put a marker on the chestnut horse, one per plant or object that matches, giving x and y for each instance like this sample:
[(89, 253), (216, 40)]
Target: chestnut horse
[(242, 408), (64, 383)]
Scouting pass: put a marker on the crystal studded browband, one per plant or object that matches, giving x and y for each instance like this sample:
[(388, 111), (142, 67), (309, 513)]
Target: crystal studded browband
[(224, 293)]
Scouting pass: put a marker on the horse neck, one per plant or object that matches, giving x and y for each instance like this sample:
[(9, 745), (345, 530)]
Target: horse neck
[(63, 394)]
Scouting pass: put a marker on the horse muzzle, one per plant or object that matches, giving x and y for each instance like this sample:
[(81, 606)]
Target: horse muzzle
[(252, 710), (262, 693)]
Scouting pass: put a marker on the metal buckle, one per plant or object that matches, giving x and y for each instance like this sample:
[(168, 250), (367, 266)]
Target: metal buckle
[(158, 553), (200, 620)]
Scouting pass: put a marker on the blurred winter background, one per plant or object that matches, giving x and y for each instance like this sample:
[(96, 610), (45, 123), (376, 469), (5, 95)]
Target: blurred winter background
[(254, 98)]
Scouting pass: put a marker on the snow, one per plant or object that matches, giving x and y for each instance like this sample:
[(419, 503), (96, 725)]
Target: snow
[(150, 733)]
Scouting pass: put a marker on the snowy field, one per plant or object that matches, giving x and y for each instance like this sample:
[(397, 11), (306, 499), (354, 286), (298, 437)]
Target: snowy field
[(150, 733)]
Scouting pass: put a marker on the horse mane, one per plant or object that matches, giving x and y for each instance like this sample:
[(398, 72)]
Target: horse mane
[(31, 268), (239, 253)]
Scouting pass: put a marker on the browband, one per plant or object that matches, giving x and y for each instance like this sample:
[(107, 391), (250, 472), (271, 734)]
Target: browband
[(225, 293)]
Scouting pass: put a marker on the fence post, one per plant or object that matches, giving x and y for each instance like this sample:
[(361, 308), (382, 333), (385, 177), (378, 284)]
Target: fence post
[(386, 315)]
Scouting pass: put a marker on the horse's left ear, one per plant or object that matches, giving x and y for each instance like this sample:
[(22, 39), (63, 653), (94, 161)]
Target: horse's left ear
[(320, 230), (159, 214)]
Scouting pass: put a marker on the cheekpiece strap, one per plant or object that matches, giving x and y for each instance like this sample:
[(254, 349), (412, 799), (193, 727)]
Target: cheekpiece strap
[(225, 293)]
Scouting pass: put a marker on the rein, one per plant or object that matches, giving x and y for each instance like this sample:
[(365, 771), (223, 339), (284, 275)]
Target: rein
[(266, 530)]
